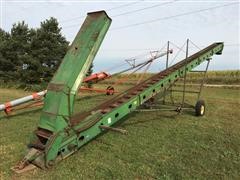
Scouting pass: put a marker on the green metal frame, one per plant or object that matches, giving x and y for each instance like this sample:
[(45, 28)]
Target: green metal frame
[(61, 137), (59, 100), (61, 92)]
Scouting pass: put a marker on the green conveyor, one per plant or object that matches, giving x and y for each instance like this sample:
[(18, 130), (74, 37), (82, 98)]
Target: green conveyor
[(60, 133)]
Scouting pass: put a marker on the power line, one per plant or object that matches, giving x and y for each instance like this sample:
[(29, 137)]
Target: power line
[(129, 12), (174, 16), (149, 7), (124, 5), (113, 8)]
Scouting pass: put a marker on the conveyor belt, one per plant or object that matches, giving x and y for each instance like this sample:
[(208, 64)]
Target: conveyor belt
[(120, 99), (59, 135)]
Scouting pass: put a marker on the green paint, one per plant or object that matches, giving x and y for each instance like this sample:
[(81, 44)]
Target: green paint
[(59, 100), (66, 138)]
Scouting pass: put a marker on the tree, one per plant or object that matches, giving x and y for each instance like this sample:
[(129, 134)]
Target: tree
[(7, 58), (16, 51), (49, 47), (3, 62), (31, 56)]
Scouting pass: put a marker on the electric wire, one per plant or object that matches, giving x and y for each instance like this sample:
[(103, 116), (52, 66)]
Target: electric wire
[(126, 13), (124, 5), (149, 7), (173, 16), (113, 8)]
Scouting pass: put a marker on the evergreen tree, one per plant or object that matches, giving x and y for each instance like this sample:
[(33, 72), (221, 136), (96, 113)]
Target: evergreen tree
[(31, 56), (16, 51), (49, 47), (4, 64), (12, 48), (30, 66)]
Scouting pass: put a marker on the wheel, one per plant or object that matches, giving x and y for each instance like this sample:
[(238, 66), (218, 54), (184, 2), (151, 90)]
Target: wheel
[(200, 108), (110, 90)]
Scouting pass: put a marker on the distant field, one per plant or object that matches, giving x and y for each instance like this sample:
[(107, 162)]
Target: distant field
[(213, 77), (217, 77), (159, 145)]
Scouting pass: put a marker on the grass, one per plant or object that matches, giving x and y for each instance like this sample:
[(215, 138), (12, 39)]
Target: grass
[(159, 145), (217, 77)]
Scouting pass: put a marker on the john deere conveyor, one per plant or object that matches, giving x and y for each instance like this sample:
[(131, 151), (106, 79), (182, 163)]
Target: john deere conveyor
[(59, 132)]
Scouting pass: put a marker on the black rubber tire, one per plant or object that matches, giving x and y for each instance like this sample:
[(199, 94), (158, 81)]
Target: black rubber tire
[(200, 108)]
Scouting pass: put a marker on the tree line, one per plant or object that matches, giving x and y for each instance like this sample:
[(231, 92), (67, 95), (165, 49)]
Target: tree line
[(30, 56)]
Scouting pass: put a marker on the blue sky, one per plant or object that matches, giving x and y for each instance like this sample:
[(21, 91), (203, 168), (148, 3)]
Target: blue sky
[(202, 28)]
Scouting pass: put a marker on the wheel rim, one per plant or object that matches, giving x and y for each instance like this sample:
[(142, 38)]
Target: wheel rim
[(202, 110)]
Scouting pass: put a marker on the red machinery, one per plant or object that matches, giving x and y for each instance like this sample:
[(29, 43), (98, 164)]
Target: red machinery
[(97, 77)]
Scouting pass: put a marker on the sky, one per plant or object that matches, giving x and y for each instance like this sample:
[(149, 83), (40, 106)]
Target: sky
[(139, 27)]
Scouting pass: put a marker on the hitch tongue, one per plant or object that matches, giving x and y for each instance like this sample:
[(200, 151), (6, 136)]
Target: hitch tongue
[(25, 164)]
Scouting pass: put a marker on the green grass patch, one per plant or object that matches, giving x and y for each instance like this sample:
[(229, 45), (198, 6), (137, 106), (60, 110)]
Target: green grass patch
[(159, 145)]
